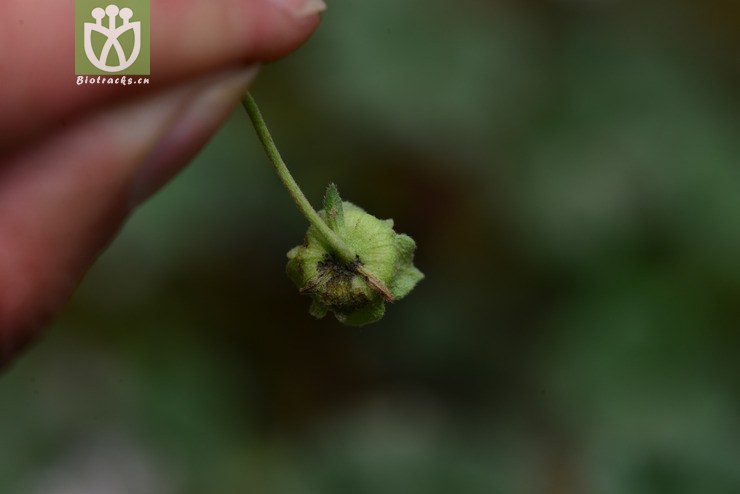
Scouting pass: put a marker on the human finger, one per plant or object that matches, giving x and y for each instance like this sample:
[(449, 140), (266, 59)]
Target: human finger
[(188, 38)]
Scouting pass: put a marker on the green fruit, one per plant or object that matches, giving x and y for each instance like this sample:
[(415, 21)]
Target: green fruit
[(355, 290)]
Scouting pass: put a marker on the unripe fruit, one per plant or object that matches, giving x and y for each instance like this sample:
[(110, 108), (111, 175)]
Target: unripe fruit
[(355, 290)]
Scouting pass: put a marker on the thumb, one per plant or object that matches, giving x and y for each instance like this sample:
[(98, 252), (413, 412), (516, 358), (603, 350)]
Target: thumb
[(63, 200)]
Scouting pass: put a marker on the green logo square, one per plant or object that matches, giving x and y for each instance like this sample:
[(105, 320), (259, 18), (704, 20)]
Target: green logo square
[(112, 38)]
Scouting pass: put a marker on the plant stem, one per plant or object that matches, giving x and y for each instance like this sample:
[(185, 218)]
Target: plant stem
[(332, 239)]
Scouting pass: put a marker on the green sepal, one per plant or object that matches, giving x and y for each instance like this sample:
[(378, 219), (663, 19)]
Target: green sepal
[(317, 309), (408, 275), (333, 208), (371, 313)]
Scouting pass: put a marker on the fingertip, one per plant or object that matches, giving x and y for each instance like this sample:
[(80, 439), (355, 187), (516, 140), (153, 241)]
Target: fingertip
[(300, 9), (202, 38)]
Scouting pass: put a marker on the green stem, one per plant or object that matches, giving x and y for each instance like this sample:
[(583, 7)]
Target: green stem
[(332, 239)]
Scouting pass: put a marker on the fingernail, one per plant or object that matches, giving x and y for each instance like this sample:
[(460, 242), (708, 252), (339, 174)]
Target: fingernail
[(301, 8), (191, 129)]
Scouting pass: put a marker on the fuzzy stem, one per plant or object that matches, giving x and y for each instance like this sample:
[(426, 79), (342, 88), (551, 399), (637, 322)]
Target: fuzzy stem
[(332, 239)]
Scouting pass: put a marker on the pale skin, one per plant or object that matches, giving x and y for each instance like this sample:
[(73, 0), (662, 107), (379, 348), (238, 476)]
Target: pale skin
[(76, 160)]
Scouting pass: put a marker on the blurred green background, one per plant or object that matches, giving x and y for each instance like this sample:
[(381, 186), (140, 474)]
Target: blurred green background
[(570, 171)]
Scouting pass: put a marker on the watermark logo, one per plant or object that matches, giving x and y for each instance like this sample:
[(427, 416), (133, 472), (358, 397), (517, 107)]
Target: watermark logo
[(111, 38), (112, 33)]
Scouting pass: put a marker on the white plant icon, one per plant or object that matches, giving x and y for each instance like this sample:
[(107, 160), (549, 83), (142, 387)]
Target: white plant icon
[(112, 33)]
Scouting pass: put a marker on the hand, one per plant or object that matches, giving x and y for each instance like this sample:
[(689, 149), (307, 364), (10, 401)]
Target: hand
[(75, 159)]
